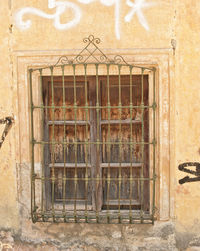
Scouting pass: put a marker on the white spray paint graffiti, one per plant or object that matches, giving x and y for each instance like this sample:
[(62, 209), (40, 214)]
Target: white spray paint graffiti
[(137, 7), (86, 1), (62, 6)]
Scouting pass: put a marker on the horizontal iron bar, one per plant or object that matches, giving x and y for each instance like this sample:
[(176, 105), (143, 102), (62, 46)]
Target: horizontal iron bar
[(68, 122), (122, 121), (84, 122), (92, 214), (89, 107), (133, 164), (103, 165), (96, 63), (70, 165), (95, 179), (88, 220), (87, 217), (91, 143)]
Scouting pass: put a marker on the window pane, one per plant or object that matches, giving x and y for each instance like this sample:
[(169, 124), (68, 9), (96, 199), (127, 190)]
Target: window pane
[(71, 193), (57, 150), (114, 99), (126, 153), (127, 191), (70, 94)]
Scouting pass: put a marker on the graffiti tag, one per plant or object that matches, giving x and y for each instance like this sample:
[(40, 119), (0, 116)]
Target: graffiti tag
[(136, 8), (182, 167)]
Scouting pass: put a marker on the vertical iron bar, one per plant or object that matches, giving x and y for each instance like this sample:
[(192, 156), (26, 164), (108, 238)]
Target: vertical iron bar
[(108, 178), (131, 144), (53, 145), (64, 145), (33, 206), (97, 166), (42, 145), (120, 144), (142, 162), (75, 139), (154, 143), (86, 145)]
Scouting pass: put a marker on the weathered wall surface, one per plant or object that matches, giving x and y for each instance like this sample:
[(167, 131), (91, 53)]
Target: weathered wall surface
[(187, 107), (8, 192), (155, 27)]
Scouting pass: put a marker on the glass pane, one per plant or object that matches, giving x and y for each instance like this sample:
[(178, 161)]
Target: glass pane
[(114, 99), (126, 153), (129, 192), (57, 150), (71, 95), (71, 193)]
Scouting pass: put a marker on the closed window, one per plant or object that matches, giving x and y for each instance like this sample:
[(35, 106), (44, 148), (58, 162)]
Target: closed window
[(97, 143), (97, 136)]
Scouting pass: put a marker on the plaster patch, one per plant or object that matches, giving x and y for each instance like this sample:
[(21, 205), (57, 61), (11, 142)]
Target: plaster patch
[(116, 235), (165, 199)]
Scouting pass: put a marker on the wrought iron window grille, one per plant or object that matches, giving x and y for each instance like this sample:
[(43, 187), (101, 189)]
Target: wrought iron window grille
[(96, 142)]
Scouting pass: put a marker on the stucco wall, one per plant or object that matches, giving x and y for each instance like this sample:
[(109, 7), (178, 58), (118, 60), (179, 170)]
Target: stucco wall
[(168, 31)]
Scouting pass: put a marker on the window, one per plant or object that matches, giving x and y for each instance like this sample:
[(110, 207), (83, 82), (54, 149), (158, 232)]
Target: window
[(97, 143)]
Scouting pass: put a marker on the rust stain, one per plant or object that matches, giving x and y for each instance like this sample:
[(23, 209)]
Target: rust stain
[(182, 190)]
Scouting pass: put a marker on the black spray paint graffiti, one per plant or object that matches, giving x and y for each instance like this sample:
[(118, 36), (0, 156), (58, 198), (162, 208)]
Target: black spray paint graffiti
[(182, 167), (8, 123)]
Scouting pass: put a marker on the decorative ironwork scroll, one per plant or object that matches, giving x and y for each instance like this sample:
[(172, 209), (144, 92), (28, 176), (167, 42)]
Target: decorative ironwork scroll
[(91, 52)]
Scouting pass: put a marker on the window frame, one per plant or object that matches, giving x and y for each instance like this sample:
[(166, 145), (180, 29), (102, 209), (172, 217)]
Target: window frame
[(97, 168), (142, 216), (162, 59)]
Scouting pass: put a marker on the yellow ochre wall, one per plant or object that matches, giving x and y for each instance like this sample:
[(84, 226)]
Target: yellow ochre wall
[(173, 30)]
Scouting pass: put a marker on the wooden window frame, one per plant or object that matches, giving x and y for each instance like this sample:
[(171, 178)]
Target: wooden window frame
[(96, 165)]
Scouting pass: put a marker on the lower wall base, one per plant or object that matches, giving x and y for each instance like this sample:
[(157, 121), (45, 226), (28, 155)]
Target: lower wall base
[(85, 237)]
